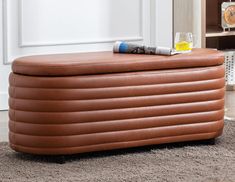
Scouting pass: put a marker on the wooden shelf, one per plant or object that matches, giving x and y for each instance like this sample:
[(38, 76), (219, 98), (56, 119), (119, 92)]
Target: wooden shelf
[(218, 32), (205, 26)]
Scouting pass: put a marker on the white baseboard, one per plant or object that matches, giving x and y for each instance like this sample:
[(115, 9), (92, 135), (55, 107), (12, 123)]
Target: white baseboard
[(3, 101), (4, 136), (3, 126)]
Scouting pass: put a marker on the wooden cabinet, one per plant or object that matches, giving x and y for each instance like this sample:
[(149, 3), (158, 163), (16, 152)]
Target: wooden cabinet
[(203, 18), (215, 36)]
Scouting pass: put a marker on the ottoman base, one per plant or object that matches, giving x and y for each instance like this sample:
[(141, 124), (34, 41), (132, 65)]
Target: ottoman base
[(69, 104)]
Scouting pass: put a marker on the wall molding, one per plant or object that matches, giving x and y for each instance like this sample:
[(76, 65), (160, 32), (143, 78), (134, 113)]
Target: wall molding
[(69, 43), (77, 42), (21, 44), (5, 32)]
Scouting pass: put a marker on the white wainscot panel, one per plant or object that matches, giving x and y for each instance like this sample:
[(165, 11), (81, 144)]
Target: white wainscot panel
[(66, 26), (53, 22)]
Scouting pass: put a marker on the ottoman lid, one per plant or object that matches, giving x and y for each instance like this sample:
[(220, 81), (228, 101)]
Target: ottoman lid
[(109, 62)]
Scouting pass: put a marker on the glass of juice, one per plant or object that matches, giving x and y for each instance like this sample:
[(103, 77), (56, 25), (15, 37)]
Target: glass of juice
[(183, 41)]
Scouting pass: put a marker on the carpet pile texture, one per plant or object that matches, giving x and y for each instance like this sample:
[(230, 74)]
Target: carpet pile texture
[(164, 163)]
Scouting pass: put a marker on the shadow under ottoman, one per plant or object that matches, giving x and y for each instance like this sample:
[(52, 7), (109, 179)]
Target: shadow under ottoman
[(75, 103)]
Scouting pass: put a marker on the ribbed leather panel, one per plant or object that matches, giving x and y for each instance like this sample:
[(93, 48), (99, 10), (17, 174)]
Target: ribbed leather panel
[(110, 103), (119, 79), (118, 136), (115, 125), (117, 145), (74, 114)]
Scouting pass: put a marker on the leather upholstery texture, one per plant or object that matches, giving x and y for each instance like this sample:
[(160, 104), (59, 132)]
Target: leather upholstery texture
[(75, 103)]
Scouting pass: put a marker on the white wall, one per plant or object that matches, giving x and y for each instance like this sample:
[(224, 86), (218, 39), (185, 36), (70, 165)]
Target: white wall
[(164, 22), (187, 18), (197, 22), (4, 69), (51, 26)]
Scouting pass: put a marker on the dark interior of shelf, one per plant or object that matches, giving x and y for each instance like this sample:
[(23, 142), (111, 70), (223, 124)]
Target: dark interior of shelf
[(221, 43), (213, 21), (213, 13)]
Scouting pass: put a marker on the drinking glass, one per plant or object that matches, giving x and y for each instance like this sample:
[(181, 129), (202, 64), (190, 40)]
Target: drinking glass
[(183, 41)]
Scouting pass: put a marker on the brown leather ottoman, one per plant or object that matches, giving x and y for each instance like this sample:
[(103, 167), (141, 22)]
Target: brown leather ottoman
[(75, 103)]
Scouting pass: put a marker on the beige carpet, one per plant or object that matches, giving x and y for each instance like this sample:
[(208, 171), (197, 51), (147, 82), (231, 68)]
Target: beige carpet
[(168, 163)]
